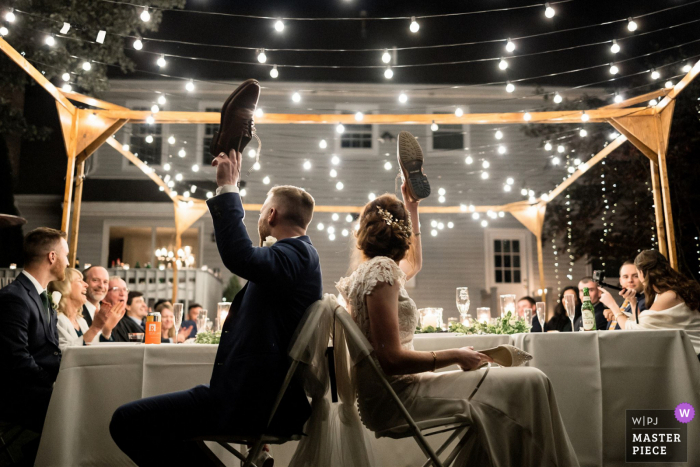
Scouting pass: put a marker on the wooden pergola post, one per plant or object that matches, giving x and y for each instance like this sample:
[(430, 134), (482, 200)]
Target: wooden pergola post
[(532, 217), (186, 214)]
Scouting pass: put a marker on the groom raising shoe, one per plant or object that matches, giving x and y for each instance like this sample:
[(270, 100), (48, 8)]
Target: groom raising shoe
[(284, 279)]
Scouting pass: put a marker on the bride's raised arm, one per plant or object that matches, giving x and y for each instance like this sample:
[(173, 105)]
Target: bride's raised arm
[(413, 261)]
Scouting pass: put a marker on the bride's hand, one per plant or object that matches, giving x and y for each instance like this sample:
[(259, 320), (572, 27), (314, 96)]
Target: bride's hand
[(469, 359), (407, 198)]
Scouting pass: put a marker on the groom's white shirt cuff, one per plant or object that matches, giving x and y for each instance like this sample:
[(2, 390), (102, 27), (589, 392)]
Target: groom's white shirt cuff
[(226, 189)]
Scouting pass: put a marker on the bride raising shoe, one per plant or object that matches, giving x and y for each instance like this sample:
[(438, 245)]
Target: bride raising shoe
[(507, 355)]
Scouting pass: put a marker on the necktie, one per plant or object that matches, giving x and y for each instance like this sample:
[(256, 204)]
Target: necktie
[(45, 300)]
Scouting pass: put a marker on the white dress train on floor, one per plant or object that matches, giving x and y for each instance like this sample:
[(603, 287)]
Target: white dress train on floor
[(514, 419)]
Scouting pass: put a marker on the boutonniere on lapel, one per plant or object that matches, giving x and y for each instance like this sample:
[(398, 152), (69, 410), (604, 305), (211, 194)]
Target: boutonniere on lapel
[(269, 241), (54, 299)]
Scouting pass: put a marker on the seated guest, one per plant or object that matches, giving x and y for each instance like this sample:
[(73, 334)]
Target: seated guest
[(72, 327), (97, 279), (629, 279), (136, 311), (117, 291), (167, 326), (192, 314), (672, 299), (561, 321), (601, 322), (29, 351), (528, 303)]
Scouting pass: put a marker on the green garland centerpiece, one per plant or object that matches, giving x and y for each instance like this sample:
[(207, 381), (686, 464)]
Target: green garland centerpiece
[(208, 337), (508, 324)]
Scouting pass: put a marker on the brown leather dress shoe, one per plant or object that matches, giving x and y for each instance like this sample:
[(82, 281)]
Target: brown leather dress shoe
[(237, 127)]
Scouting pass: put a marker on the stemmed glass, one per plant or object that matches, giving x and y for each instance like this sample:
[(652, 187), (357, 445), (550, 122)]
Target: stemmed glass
[(463, 303), (570, 306), (177, 318), (541, 313)]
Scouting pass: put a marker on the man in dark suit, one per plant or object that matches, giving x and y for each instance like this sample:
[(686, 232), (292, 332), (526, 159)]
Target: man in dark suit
[(29, 353), (252, 360), (97, 279), (136, 311)]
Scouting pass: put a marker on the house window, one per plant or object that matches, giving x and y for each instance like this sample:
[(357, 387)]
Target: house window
[(357, 137), (506, 261), (209, 130), (448, 137), (150, 153)]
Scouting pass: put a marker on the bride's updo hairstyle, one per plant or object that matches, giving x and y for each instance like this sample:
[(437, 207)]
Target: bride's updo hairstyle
[(385, 228)]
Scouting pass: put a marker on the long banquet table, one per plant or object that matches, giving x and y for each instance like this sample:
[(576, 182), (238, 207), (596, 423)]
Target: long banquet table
[(596, 377)]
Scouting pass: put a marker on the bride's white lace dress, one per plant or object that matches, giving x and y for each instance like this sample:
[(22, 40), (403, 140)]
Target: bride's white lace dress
[(513, 416)]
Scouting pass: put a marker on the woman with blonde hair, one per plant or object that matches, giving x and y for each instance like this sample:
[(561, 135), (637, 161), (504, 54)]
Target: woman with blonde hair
[(72, 327), (167, 325), (514, 419), (672, 300)]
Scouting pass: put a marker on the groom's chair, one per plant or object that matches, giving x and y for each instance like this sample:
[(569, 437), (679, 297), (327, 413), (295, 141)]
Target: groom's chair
[(360, 350), (312, 331)]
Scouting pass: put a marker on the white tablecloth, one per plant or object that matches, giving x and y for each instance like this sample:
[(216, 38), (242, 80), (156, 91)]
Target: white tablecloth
[(596, 377)]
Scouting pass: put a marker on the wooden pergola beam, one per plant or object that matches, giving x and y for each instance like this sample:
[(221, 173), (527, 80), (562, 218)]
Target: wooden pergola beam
[(555, 117), (91, 101), (639, 99)]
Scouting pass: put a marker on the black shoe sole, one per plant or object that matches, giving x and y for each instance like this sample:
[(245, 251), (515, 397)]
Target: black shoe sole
[(410, 157)]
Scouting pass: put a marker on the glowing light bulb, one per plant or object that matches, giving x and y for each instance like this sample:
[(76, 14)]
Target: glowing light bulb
[(502, 149), (510, 181), (469, 160), (65, 76), (655, 74), (340, 128), (618, 98), (583, 133), (243, 192), (463, 207), (296, 97), (523, 192), (577, 161), (548, 146), (502, 64), (442, 192), (10, 17), (166, 167), (686, 68), (359, 116), (335, 160), (149, 139), (450, 225), (189, 86), (653, 102), (178, 177), (484, 223), (87, 66), (262, 58), (150, 120), (558, 99), (631, 25), (161, 99), (182, 152), (307, 165), (50, 41), (266, 180), (506, 188), (333, 173), (210, 195), (138, 45), (414, 27), (441, 199), (145, 15), (320, 226), (561, 148), (614, 69), (571, 169), (195, 168), (125, 147), (403, 98), (459, 112), (433, 233), (345, 232), (161, 61), (251, 153), (339, 186), (510, 87), (371, 196), (388, 73), (585, 117), (279, 25), (256, 166), (322, 144), (4, 31), (387, 165), (486, 164), (155, 109), (499, 134), (434, 126), (510, 46), (555, 161), (386, 57), (484, 175), (527, 117), (348, 218), (549, 11), (274, 73), (615, 47)]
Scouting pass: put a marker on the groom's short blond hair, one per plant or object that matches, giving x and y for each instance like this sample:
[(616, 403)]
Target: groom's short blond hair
[(295, 205)]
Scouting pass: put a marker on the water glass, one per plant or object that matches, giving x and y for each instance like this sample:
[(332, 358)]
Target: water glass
[(541, 313), (570, 306), (507, 304), (463, 302)]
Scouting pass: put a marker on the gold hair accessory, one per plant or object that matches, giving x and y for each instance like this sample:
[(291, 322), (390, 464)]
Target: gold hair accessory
[(403, 228)]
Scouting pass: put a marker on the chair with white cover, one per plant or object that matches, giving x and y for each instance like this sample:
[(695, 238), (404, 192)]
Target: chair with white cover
[(360, 351), (311, 334)]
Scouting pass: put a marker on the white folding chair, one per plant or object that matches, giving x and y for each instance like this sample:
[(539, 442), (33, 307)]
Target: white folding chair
[(360, 350), (309, 326)]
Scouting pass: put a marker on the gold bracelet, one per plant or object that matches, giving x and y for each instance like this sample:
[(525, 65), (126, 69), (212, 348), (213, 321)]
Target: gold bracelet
[(434, 360)]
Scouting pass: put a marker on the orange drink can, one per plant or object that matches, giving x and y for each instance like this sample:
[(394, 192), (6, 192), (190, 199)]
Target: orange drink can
[(153, 328)]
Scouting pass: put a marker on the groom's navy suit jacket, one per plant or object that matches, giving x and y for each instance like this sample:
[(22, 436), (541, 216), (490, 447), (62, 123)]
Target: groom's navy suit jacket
[(252, 359), (29, 354)]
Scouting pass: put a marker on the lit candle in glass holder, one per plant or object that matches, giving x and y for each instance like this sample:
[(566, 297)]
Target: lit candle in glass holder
[(483, 315), (507, 304), (431, 317)]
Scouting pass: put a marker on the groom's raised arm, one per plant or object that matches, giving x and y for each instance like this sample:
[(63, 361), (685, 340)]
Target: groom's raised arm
[(280, 263)]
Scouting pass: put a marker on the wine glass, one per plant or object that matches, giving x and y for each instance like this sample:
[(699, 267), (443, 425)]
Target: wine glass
[(177, 318), (463, 302), (541, 313), (570, 306)]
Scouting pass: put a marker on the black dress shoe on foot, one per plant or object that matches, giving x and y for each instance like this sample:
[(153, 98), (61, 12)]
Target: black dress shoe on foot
[(237, 127), (410, 157)]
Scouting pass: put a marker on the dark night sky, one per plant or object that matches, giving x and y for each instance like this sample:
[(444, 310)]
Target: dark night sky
[(369, 34)]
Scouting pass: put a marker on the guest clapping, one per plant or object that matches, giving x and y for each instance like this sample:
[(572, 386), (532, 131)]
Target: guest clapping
[(167, 325), (672, 299), (193, 312), (136, 311), (72, 327), (97, 279)]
